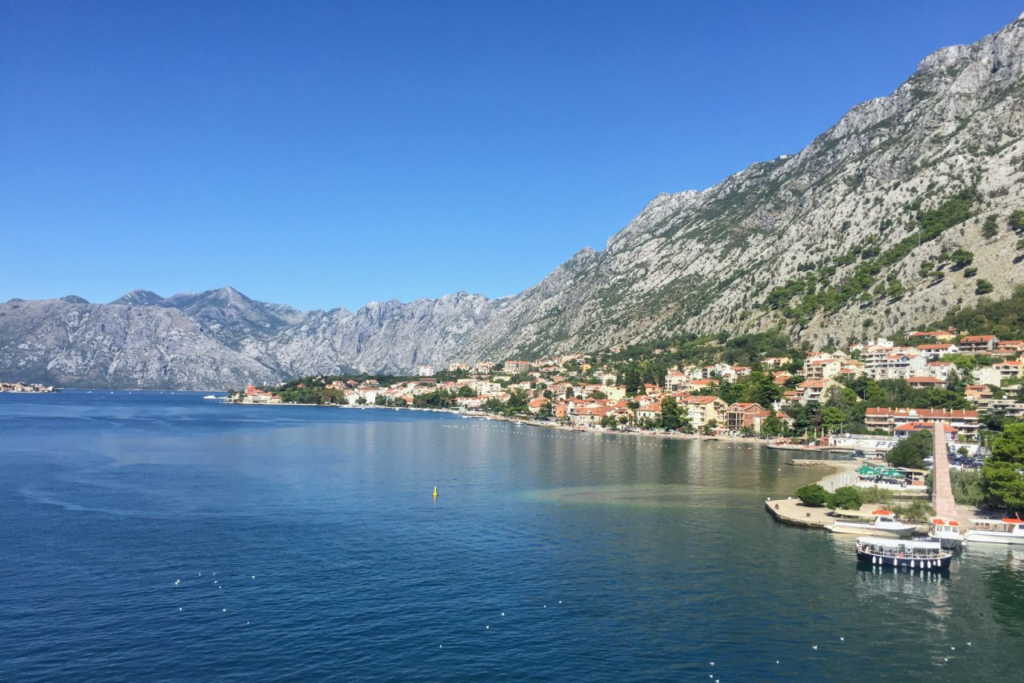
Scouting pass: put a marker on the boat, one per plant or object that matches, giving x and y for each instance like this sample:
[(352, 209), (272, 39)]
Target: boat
[(1008, 531), (946, 531), (211, 397), (885, 524), (899, 553)]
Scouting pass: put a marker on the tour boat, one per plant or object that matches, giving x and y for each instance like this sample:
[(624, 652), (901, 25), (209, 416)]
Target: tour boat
[(946, 531), (885, 524), (1008, 531), (898, 553)]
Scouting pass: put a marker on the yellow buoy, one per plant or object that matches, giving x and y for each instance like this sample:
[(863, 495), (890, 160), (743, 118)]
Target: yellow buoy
[(435, 492)]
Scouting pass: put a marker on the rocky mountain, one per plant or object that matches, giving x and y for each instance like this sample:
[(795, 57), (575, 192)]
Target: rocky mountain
[(887, 220), (859, 211)]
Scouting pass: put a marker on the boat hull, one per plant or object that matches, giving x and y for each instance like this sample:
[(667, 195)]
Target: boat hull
[(931, 564), (949, 542), (860, 530), (1000, 537)]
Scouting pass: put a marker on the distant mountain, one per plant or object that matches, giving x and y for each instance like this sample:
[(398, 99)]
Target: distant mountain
[(889, 219), (139, 297)]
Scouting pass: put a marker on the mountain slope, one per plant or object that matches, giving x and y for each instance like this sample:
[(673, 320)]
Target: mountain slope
[(703, 261)]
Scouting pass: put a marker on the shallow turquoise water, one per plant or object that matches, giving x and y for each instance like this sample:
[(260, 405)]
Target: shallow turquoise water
[(153, 537)]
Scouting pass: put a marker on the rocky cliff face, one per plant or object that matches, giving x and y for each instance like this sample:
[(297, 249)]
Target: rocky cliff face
[(706, 261), (851, 235)]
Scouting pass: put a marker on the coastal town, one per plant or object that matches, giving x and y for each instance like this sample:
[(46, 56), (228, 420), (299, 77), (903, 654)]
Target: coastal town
[(960, 377)]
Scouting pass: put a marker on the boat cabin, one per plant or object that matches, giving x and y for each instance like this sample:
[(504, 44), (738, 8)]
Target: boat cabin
[(1007, 525), (900, 548)]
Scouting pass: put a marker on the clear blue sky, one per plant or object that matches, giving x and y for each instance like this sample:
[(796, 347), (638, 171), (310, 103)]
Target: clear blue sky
[(325, 154)]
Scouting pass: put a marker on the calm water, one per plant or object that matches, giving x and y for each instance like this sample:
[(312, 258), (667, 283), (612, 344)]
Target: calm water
[(155, 537)]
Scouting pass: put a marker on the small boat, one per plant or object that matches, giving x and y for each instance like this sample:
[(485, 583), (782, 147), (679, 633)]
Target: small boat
[(898, 553), (946, 531), (211, 397), (885, 524), (1008, 531)]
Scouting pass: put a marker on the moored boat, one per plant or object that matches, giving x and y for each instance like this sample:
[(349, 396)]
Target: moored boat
[(946, 531), (885, 524), (899, 553), (1008, 531)]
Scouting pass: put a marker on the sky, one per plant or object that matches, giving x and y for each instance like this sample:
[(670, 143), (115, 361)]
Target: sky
[(325, 154)]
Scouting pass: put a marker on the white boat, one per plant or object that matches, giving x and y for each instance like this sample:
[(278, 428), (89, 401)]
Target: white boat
[(898, 553), (946, 531), (211, 397), (1008, 531), (885, 524)]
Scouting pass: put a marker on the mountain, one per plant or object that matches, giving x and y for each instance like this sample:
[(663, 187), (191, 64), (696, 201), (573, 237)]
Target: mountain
[(847, 211), (895, 216)]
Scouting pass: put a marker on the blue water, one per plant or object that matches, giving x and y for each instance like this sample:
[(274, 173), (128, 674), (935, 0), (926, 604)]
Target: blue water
[(161, 537)]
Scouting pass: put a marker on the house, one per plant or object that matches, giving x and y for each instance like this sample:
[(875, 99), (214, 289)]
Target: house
[(537, 404), (937, 351), (781, 377), (258, 396), (900, 365), (776, 361), (740, 415), (424, 371), (938, 369), (1010, 369), (695, 385), (887, 419), (822, 368), (905, 430), (937, 335), (814, 390), (1013, 347), (676, 380), (651, 411), (704, 409), (514, 367), (981, 343), (925, 382), (978, 392)]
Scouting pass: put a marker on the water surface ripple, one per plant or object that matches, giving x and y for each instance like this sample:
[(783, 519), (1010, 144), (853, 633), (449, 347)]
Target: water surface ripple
[(161, 537)]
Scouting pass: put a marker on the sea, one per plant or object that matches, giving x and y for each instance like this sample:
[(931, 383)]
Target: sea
[(165, 537)]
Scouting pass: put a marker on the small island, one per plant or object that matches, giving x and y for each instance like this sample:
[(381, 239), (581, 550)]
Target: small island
[(19, 388)]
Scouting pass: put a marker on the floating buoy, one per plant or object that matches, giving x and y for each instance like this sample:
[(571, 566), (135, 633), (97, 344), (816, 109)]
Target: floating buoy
[(435, 492)]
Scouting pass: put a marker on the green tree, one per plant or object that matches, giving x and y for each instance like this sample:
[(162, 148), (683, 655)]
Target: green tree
[(912, 451), (832, 418), (1016, 221), (990, 228), (812, 495), (846, 498), (772, 426), (669, 413), (961, 258), (983, 287), (1002, 476), (685, 423)]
